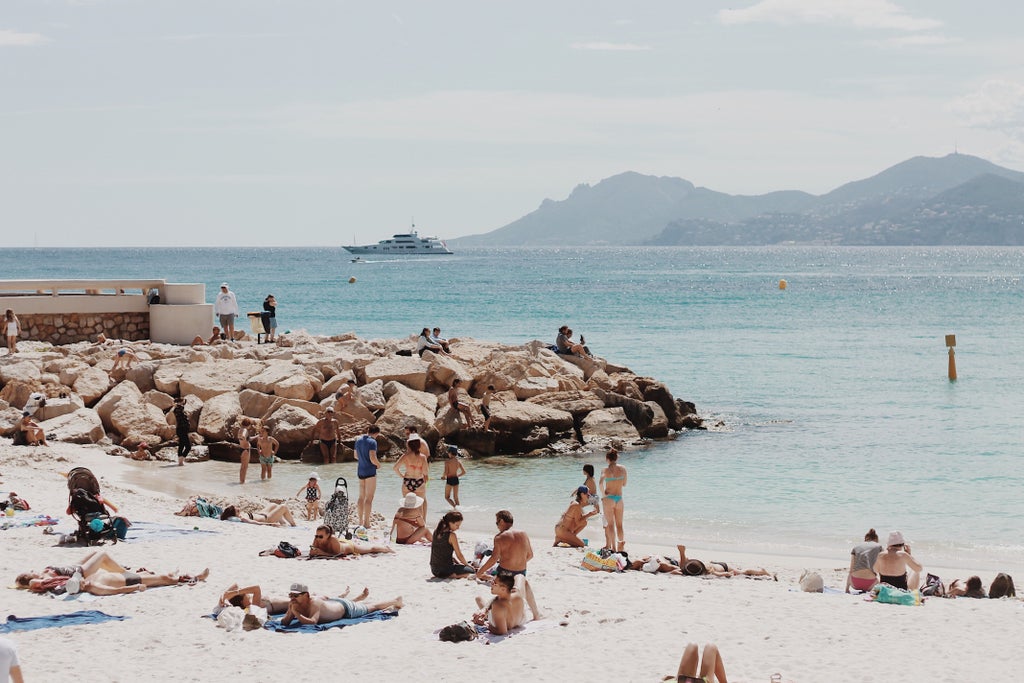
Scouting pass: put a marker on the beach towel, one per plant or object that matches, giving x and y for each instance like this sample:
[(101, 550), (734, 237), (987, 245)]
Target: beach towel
[(56, 620), (206, 509), (295, 627), (154, 531), (20, 520)]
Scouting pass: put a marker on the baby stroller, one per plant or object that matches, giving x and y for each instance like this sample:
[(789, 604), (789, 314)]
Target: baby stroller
[(336, 512), (94, 523)]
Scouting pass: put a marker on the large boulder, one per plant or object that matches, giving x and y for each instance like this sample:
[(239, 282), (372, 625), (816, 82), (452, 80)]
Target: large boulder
[(528, 387), (218, 417), (639, 413), (142, 375), (408, 370), (519, 416), (407, 407), (22, 371), (658, 429), (575, 402), (91, 385), (300, 386), (16, 392), (292, 427), (337, 380), (138, 417), (81, 426), (58, 406), (443, 369), (70, 371), (158, 398), (207, 380), (610, 423), (9, 419), (167, 376), (273, 374), (372, 395), (262, 406), (105, 406)]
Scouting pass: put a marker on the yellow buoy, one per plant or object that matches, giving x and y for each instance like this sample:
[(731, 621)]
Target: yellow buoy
[(351, 280), (782, 284)]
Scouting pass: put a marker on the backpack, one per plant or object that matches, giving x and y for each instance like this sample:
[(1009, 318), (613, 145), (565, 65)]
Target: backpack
[(933, 587), (286, 549), (457, 633)]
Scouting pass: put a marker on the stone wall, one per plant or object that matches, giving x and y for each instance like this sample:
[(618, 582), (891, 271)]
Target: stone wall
[(68, 328)]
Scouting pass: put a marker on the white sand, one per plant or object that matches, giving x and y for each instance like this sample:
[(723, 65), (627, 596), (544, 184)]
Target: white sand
[(624, 627)]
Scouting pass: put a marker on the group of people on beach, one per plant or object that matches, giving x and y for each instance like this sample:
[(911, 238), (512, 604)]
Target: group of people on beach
[(574, 519), (872, 564)]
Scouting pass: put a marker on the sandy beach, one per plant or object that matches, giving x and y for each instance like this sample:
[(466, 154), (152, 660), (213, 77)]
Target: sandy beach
[(630, 626)]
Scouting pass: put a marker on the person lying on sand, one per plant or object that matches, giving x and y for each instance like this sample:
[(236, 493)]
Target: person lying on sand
[(100, 574), (656, 564), (253, 595), (326, 544), (273, 514), (693, 668), (310, 610)]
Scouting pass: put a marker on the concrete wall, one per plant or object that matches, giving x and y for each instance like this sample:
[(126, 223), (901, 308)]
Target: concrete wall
[(66, 311)]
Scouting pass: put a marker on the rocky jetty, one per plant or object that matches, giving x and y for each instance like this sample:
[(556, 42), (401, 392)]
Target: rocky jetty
[(543, 402)]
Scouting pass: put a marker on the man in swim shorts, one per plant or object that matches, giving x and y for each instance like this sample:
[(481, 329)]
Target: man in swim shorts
[(512, 550), (366, 456), (326, 433), (309, 610)]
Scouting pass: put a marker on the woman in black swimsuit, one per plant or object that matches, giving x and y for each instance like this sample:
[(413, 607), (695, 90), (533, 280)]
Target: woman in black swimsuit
[(896, 566)]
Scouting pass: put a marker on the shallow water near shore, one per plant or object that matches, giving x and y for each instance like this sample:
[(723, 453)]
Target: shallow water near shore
[(835, 410)]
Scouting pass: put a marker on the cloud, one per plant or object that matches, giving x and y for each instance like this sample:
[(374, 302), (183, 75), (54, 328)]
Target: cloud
[(18, 39), (996, 105), (611, 47), (865, 14), (921, 40)]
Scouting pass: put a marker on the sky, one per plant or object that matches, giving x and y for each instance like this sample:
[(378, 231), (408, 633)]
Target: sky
[(328, 122)]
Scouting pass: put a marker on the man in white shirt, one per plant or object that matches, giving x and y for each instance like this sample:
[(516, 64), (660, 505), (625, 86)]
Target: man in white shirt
[(225, 306), (10, 669)]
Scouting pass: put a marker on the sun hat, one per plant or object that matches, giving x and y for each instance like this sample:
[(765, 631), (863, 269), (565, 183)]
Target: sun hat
[(695, 568), (330, 410), (895, 538), (414, 437), (411, 501), (651, 566), (299, 588), (315, 476), (223, 284)]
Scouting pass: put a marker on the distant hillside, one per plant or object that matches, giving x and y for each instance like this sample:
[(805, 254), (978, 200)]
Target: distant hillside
[(956, 199)]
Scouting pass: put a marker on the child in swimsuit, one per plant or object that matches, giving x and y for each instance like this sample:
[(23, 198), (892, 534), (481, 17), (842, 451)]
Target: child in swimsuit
[(312, 489), (266, 446), (453, 469)]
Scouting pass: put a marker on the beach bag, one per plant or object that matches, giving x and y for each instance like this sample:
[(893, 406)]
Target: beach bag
[(595, 563), (896, 596), (403, 352), (286, 549), (933, 587), (120, 525), (811, 582), (457, 633)]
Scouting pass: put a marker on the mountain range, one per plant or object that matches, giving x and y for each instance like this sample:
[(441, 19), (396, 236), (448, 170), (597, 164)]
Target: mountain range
[(957, 199)]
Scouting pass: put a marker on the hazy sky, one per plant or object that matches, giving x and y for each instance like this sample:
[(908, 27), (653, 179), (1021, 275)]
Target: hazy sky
[(306, 122)]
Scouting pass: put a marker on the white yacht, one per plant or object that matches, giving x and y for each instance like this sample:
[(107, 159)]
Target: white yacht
[(404, 244)]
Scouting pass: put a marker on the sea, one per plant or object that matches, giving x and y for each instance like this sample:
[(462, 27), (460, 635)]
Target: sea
[(828, 405)]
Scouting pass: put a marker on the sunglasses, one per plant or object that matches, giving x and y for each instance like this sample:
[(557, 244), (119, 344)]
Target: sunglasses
[(295, 595), (320, 536)]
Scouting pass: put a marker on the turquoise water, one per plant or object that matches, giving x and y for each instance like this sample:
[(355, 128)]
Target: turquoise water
[(835, 410)]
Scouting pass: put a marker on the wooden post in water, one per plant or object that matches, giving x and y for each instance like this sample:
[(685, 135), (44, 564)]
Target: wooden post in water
[(951, 342)]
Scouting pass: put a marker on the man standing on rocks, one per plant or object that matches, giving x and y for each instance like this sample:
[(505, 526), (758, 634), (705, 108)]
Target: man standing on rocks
[(326, 432), (225, 307), (512, 550), (366, 455), (181, 430)]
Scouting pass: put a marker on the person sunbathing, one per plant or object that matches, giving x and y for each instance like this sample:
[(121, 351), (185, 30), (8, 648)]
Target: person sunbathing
[(244, 598), (307, 609), (508, 608), (326, 544), (655, 564), (273, 514), (693, 668), (100, 574)]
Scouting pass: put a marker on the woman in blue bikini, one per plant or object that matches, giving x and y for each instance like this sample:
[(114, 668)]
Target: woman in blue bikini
[(613, 478)]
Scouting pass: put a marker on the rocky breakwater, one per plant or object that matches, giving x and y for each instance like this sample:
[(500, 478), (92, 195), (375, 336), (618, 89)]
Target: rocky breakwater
[(542, 402)]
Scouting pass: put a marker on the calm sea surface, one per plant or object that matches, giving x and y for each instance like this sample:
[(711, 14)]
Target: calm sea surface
[(835, 410)]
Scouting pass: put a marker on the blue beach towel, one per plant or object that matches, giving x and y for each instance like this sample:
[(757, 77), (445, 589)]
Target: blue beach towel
[(295, 627), (56, 620), (206, 509), (154, 531)]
